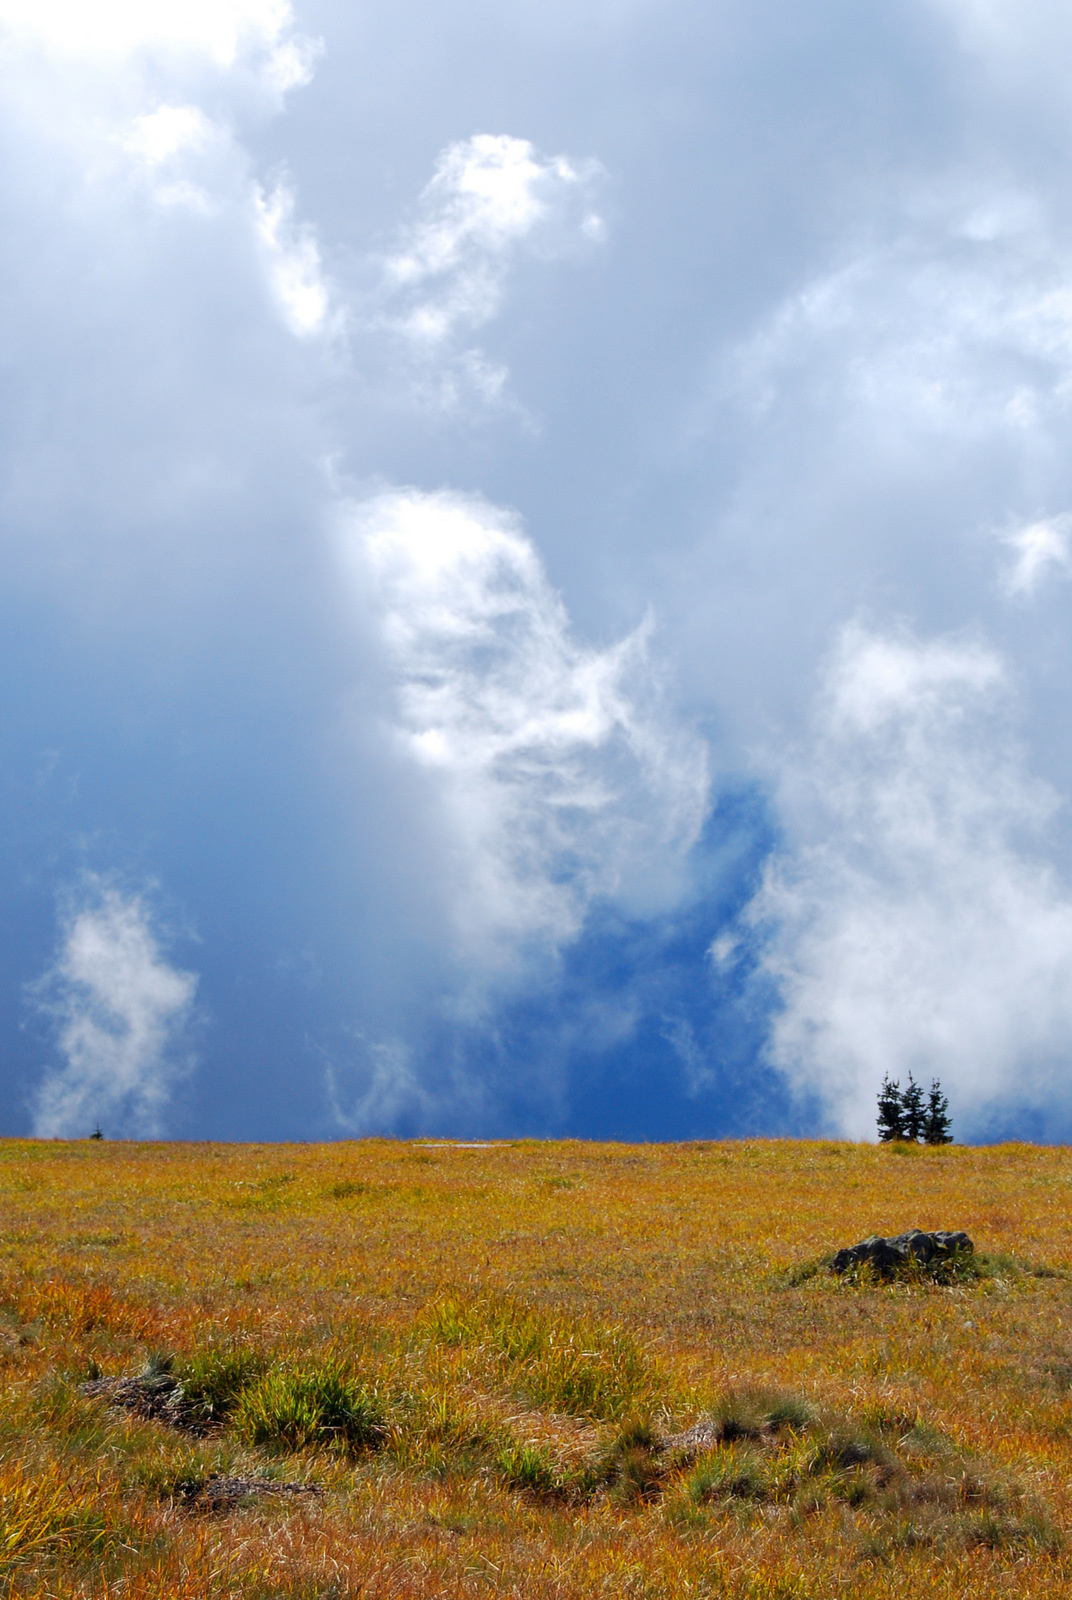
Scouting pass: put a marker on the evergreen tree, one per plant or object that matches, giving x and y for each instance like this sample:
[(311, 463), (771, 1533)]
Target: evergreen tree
[(937, 1123), (891, 1120), (915, 1115)]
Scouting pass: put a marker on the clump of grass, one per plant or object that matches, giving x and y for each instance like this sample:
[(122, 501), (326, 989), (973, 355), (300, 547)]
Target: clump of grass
[(789, 1411), (531, 1467), (314, 1406), (1000, 1265), (735, 1472), (632, 1466), (453, 1322), (565, 1376), (162, 1472), (58, 1405), (846, 1449), (213, 1382), (889, 1468), (925, 1528), (262, 1194), (749, 1413), (997, 1532)]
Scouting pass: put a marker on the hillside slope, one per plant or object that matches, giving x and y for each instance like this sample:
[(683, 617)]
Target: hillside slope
[(535, 1369)]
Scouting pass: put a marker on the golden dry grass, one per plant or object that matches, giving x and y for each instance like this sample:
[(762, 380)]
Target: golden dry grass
[(518, 1327)]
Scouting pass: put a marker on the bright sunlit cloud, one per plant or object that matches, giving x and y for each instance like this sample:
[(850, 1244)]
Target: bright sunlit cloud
[(218, 29), (561, 772), (293, 260), (491, 199), (1037, 551), (486, 197), (118, 1009), (916, 924)]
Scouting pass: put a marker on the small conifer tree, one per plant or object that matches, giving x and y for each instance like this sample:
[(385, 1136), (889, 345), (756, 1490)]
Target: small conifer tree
[(937, 1123), (915, 1113), (891, 1117)]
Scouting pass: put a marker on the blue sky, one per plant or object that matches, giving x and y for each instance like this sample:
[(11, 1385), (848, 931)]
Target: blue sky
[(536, 547)]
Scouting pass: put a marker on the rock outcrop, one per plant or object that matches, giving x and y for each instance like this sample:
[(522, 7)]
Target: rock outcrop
[(887, 1257)]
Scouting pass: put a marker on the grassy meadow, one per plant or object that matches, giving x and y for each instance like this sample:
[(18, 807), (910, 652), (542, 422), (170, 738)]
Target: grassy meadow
[(535, 1369)]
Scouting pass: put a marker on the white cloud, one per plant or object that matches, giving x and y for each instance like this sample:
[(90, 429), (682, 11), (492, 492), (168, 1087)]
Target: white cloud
[(960, 324), (169, 130), (149, 99), (698, 1071), (374, 1086), (489, 197), (119, 1010), (1022, 43), (167, 143), (293, 261), (914, 923), (1037, 551), (560, 773), (880, 679), (220, 30)]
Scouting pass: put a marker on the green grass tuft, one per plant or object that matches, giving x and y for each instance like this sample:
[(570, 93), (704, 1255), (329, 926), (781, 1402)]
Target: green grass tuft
[(214, 1380), (308, 1407)]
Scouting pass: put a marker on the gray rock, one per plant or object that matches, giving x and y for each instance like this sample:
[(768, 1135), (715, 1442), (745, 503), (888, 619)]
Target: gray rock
[(888, 1256)]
